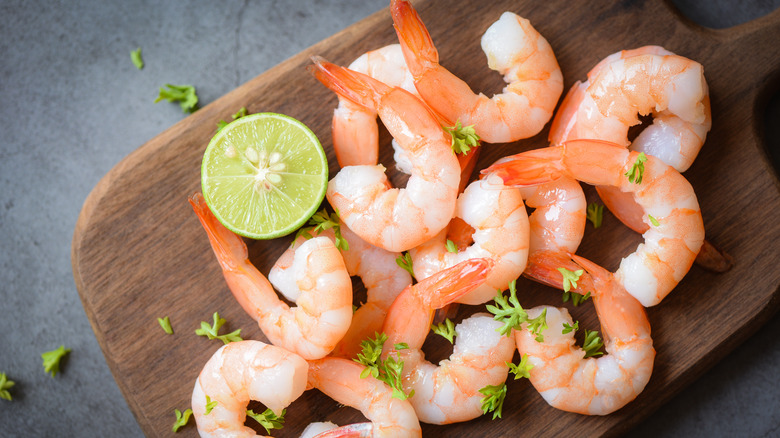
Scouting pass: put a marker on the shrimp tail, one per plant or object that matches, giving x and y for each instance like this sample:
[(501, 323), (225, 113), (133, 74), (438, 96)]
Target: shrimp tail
[(228, 247), (356, 430), (543, 266), (452, 283), (413, 37), (356, 87), (529, 168)]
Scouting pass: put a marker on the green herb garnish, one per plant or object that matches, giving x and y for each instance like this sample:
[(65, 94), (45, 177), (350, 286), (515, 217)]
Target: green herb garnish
[(451, 247), (212, 331), (268, 419), (165, 323), (5, 385), (241, 113), (522, 369), (445, 329), (637, 169), (405, 261), (654, 221), (592, 343), (184, 94), (181, 419), (51, 360), (135, 56), (389, 370), (595, 213), (576, 298), (510, 312), (320, 222), (210, 404), (463, 137), (494, 399)]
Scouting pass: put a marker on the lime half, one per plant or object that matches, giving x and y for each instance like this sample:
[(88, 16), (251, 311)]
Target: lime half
[(264, 175)]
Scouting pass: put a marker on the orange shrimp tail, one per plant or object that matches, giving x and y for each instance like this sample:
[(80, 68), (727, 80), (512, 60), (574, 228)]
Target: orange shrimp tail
[(529, 168), (356, 430), (414, 38), (543, 267), (227, 245), (358, 88), (448, 285)]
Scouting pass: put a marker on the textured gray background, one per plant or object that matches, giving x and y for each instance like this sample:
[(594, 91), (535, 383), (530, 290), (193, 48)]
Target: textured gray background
[(72, 106)]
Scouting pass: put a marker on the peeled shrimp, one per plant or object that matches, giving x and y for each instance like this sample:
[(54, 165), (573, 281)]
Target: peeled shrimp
[(640, 81), (243, 371), (354, 128), (447, 392), (340, 380), (383, 278), (499, 224), (514, 49), (665, 196), (592, 386), (324, 303), (394, 219)]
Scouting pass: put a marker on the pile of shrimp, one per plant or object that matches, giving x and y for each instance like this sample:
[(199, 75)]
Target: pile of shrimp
[(468, 241)]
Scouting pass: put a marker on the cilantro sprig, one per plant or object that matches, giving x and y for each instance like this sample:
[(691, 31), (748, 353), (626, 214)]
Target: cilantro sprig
[(268, 419), (595, 214), (493, 400), (637, 169), (181, 419), (445, 329), (463, 137), (567, 328), (212, 331), (184, 94), (5, 385), (320, 222), (51, 360), (522, 369), (405, 261), (509, 311), (389, 370)]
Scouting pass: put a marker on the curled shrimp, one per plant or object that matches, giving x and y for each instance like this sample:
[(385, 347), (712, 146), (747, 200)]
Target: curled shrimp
[(671, 210), (447, 392), (354, 129), (591, 386), (394, 219), (340, 380), (243, 371), (514, 49), (498, 226), (324, 302), (383, 278)]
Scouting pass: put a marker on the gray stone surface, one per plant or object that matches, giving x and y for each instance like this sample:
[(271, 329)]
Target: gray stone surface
[(72, 106)]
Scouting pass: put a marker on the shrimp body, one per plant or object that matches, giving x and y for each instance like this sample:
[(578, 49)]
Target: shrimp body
[(340, 380), (243, 371), (514, 49), (447, 392), (591, 386), (383, 278), (671, 211), (642, 81), (355, 131), (323, 297), (500, 231), (394, 219)]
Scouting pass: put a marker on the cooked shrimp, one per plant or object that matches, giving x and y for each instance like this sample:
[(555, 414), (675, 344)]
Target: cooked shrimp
[(514, 49), (447, 392), (667, 199), (340, 380), (591, 386), (243, 371), (383, 278), (499, 223), (394, 219), (324, 303), (354, 128), (640, 81)]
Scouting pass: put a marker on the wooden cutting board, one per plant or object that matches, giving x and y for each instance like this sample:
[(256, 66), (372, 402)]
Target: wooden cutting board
[(139, 252)]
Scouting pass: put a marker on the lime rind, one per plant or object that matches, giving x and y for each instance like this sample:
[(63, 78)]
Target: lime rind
[(230, 181)]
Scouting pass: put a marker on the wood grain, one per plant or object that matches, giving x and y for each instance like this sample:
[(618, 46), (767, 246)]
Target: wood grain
[(139, 252)]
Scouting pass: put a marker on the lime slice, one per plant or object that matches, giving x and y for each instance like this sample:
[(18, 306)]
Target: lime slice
[(264, 175)]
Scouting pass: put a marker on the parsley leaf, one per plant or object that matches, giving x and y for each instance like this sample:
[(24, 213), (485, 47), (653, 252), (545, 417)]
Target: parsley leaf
[(165, 323), (389, 370), (181, 419), (570, 278), (463, 137), (538, 325), (522, 369), (592, 344), (241, 113), (210, 404), (637, 169), (451, 247), (654, 221), (570, 328), (5, 385), (445, 329), (595, 213), (135, 56), (212, 332), (494, 399), (405, 261), (370, 354), (576, 298), (51, 359), (268, 419), (510, 312), (184, 94), (323, 221)]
